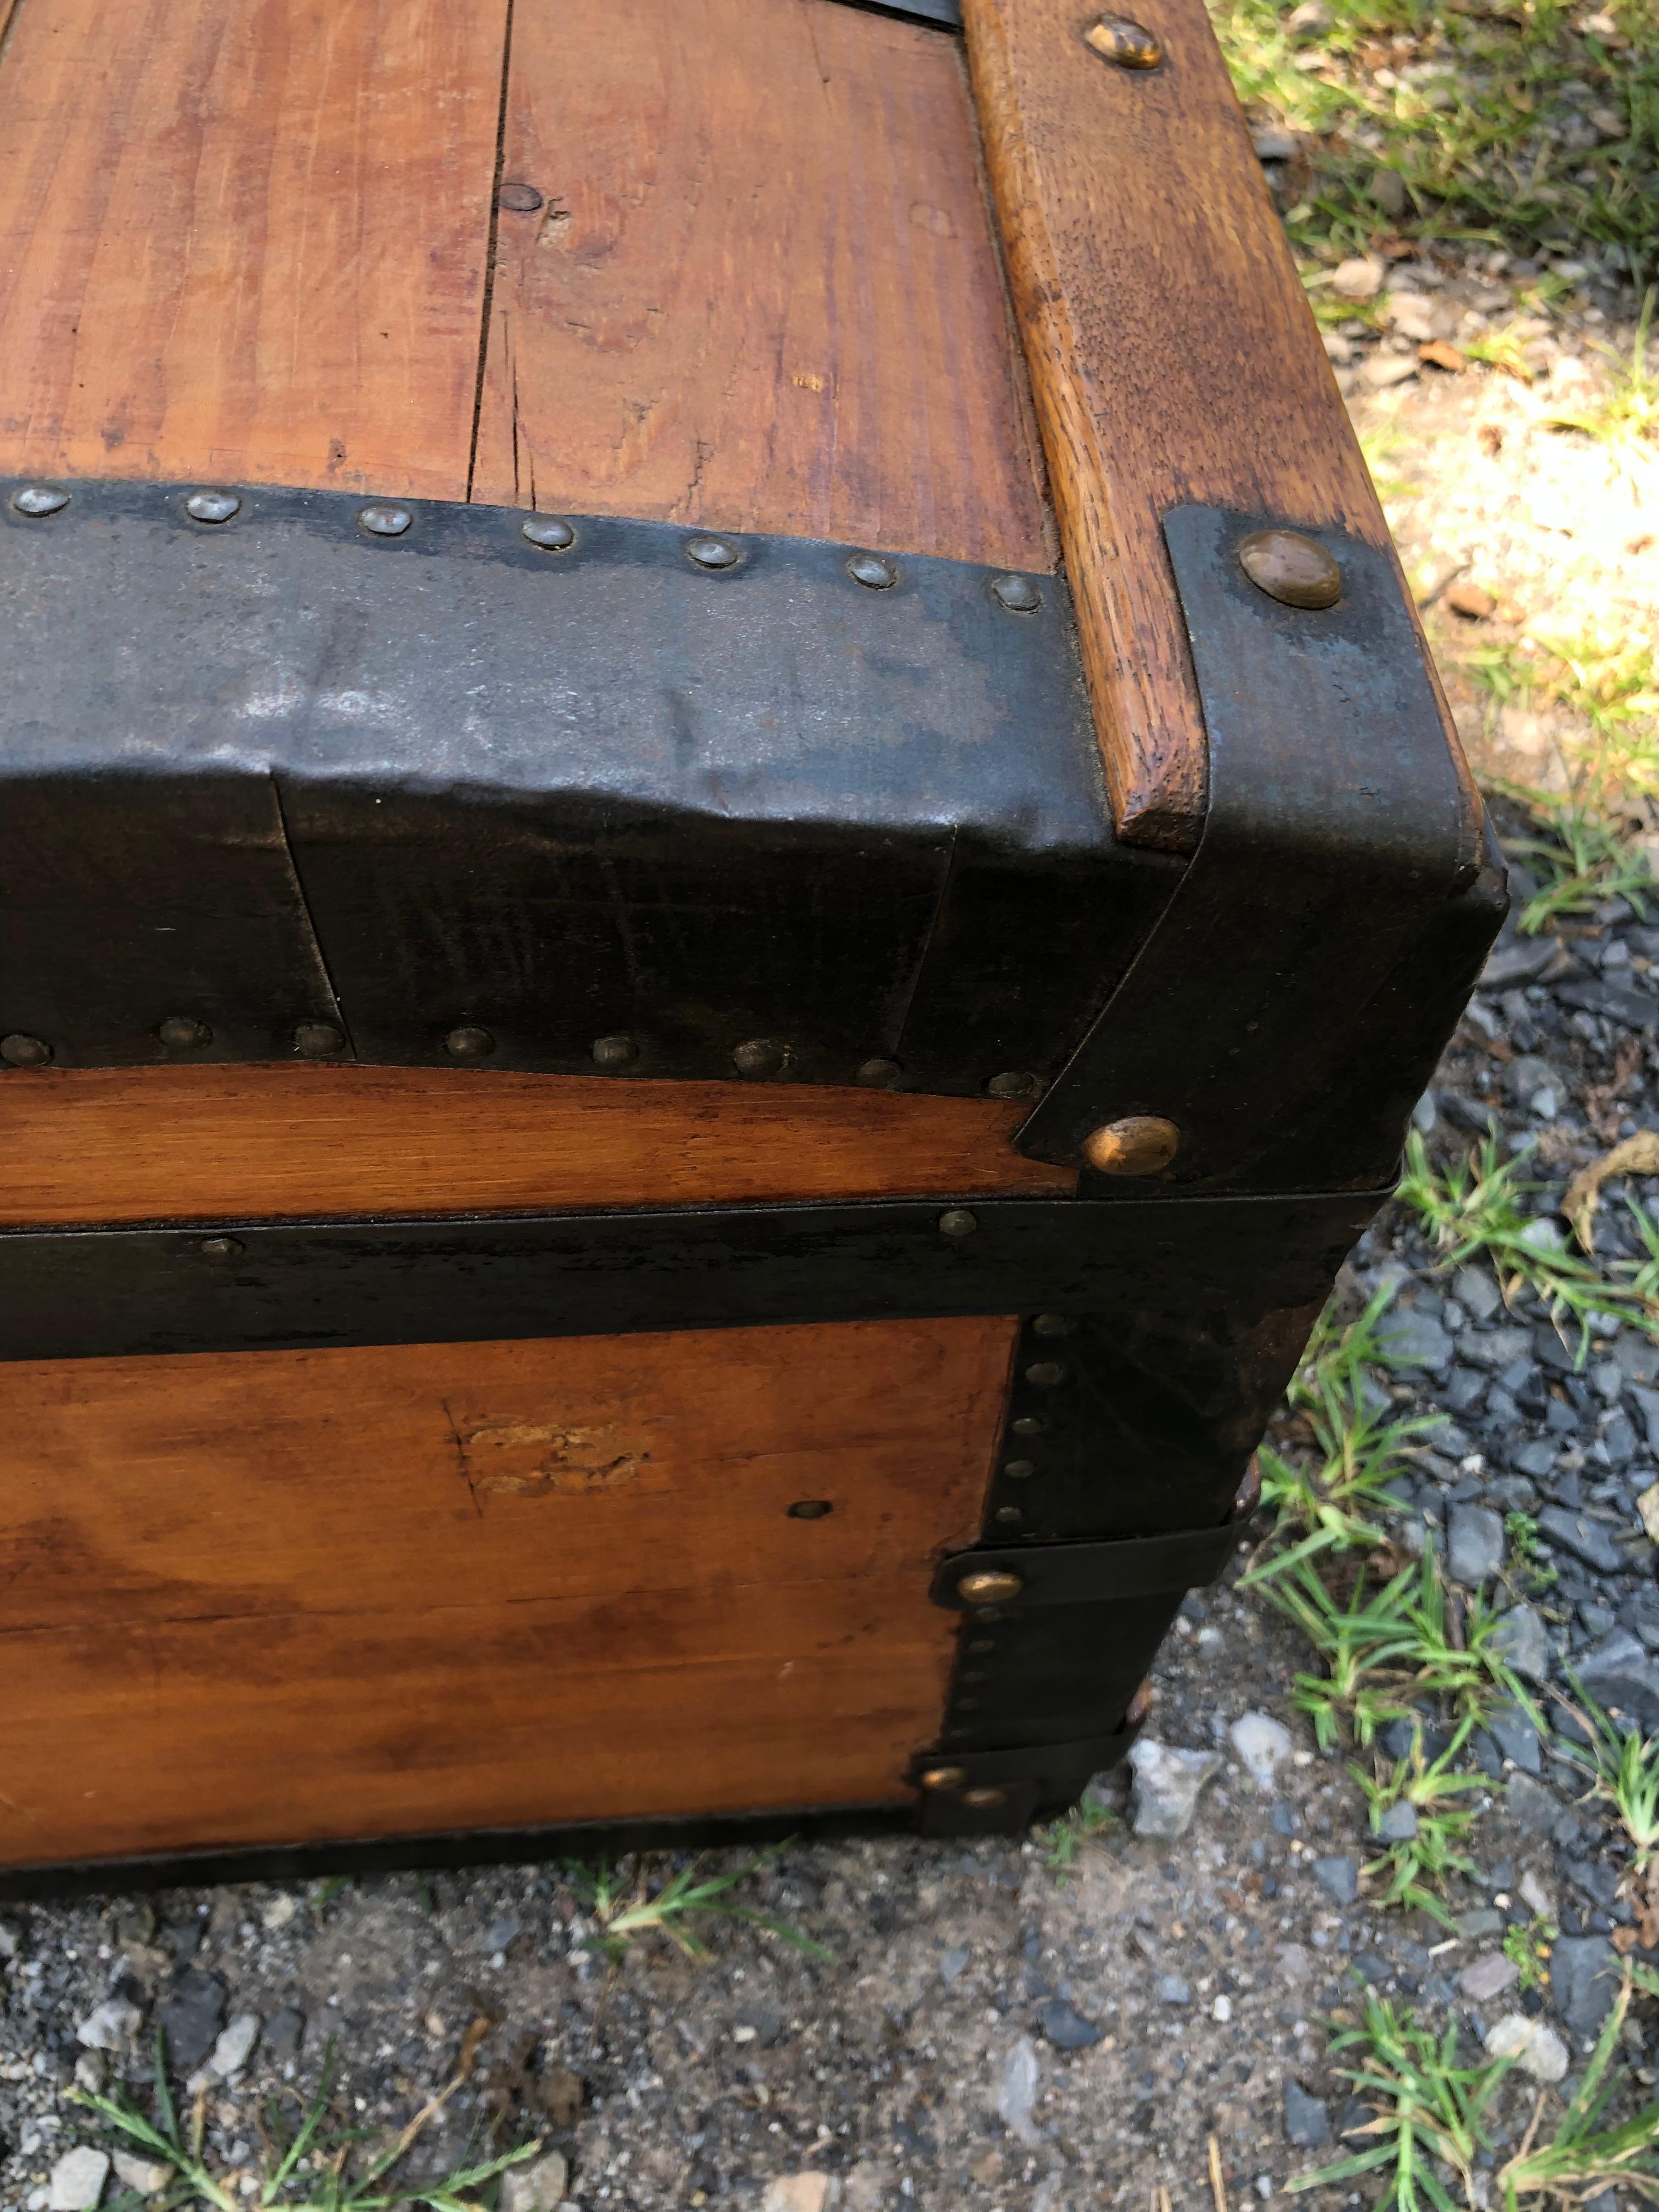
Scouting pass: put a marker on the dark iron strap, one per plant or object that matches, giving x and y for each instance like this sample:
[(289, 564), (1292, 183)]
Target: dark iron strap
[(1336, 842), (234, 1286), (1085, 1574)]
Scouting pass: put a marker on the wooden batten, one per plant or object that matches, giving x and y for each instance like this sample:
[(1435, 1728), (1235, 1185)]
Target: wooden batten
[(193, 1144), (297, 1596)]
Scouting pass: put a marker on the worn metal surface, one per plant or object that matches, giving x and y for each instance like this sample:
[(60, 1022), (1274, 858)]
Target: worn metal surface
[(282, 770), (1338, 879), (266, 1286)]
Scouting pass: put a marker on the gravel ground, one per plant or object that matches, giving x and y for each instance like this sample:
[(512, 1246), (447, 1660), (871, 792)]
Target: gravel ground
[(990, 2031)]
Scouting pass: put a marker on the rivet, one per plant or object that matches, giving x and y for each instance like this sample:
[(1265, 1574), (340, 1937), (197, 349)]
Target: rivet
[(984, 1800), (1290, 568), (1140, 1705), (942, 1778), (1130, 45), (811, 1509), (1139, 1145), (1019, 1470), (316, 1040), (1248, 1496), (712, 552), (1012, 1083), (213, 505), (614, 1052), (1028, 1424), (548, 532), (386, 518), (1044, 1374), (957, 1221), (878, 1074), (1017, 593), (183, 1033), (989, 1586), (220, 1248), (982, 1643), (469, 1042), (1009, 1513), (1050, 1325), (971, 1675), (967, 1704), (18, 1050), (519, 199), (759, 1056), (36, 500), (871, 570)]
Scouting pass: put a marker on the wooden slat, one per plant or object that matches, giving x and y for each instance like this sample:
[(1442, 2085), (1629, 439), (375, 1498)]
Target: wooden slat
[(182, 1144), (762, 292), (1173, 354), (288, 1595), (246, 239)]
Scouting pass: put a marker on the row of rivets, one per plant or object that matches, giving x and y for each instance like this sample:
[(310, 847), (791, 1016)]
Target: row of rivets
[(550, 533)]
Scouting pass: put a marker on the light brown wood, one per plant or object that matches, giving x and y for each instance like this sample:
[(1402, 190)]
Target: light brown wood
[(762, 292), (187, 1144), (246, 239), (296, 1595), (1172, 351)]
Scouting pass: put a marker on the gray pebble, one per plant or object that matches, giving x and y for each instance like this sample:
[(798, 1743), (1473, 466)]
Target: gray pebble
[(191, 2016), (1488, 1978), (283, 2032), (1339, 1878), (1588, 1540), (1066, 2029), (1584, 1977), (1399, 1824), (1415, 1339), (1474, 1551), (1520, 1638), (1307, 2121), (1531, 1806), (1174, 1988), (1475, 1288), (1516, 1738), (1621, 1673)]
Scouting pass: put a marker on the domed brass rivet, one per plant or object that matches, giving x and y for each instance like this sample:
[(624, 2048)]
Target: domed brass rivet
[(37, 500), (1290, 568), (316, 1040), (712, 552), (1139, 1706), (212, 506), (957, 1221), (984, 1800), (548, 532), (183, 1033), (220, 1248), (878, 1074), (18, 1050), (384, 519), (943, 1777), (989, 1586), (469, 1042), (1139, 1145), (759, 1056), (1012, 1083), (612, 1053), (1119, 39), (870, 569)]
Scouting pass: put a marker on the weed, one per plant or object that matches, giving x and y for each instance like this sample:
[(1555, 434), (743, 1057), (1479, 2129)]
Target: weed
[(626, 1907), (1473, 1206), (1623, 1769), (1528, 1950), (1626, 418), (1584, 2157), (1063, 1839), (310, 2171), (1530, 1575), (1416, 1865)]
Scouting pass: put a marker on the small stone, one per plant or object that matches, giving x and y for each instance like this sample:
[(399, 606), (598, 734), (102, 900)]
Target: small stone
[(1415, 1339), (1531, 1806), (1384, 370), (952, 1962), (147, 2176), (77, 2180), (540, 2187), (90, 2072), (1535, 1897), (1399, 1824), (278, 1913), (1339, 1878), (1360, 278), (502, 1933), (110, 2025), (1621, 1675), (1522, 1642), (1648, 1506), (1584, 1977), (1174, 1988), (1167, 1782), (1532, 2043), (1307, 2123), (283, 2032), (1471, 600), (1017, 2092), (1222, 2010), (1388, 191), (1488, 1978), (1588, 1540), (191, 2018), (1474, 1551), (1484, 1921), (234, 2046), (1263, 1744), (1477, 1292), (1272, 144), (1516, 1738), (1066, 2029)]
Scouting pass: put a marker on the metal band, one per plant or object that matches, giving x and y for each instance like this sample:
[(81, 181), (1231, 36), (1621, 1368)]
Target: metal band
[(1336, 842), (68, 1294), (1085, 1574)]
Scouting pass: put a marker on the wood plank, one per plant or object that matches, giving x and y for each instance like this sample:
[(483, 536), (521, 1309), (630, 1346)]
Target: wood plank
[(1172, 351), (288, 1595), (201, 1144), (762, 291), (246, 239)]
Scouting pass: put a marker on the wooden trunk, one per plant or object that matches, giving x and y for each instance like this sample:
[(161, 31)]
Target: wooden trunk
[(700, 966)]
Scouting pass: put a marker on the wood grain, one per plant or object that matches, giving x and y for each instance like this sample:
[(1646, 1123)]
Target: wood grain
[(246, 239), (290, 1597), (762, 292), (201, 1143), (1172, 351)]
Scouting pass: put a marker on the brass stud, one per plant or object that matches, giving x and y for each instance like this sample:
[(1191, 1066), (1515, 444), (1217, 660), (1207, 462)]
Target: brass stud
[(872, 572), (220, 1248), (1019, 1470), (469, 1042), (20, 1051), (183, 1033), (984, 1800), (943, 1777), (518, 199), (1140, 1705), (759, 1056), (1290, 568), (611, 1053), (316, 1040), (1017, 593), (547, 532), (1009, 1514), (1139, 1145), (989, 1586), (811, 1509), (212, 506), (712, 552), (1012, 1083), (37, 500), (878, 1074), (1045, 1374), (384, 519), (957, 1221), (1050, 1325), (1028, 1424), (1130, 45), (1248, 1494)]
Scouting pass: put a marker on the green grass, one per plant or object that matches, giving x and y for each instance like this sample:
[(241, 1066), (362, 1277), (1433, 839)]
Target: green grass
[(1626, 417), (1413, 1871), (1472, 1209), (626, 1907), (1529, 1575), (1062, 1840), (314, 2169), (1528, 1950)]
